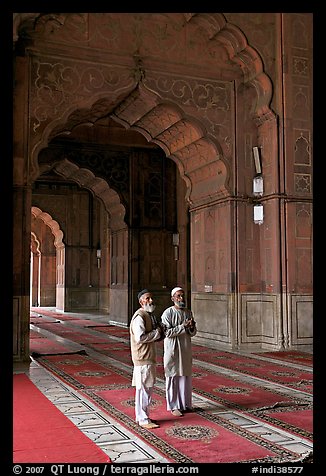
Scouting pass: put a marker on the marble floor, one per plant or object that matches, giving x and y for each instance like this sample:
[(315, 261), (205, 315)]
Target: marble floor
[(123, 446)]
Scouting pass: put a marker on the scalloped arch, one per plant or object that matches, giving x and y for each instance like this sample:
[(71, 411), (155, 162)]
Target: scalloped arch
[(239, 52), (52, 224), (99, 187), (161, 122), (35, 244)]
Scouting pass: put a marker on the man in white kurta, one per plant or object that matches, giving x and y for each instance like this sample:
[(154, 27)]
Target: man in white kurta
[(179, 327), (144, 331)]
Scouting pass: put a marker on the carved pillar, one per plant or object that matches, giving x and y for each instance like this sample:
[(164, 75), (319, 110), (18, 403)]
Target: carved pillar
[(35, 279), (296, 71), (182, 254), (119, 307), (21, 272), (60, 278), (22, 195)]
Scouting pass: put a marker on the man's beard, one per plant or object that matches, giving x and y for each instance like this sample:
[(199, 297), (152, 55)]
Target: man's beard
[(149, 307), (181, 304)]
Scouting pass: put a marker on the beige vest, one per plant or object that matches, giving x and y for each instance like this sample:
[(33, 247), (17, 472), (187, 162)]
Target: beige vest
[(144, 353)]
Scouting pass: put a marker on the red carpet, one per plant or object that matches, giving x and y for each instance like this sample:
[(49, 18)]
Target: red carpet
[(81, 371), (48, 312), (79, 336), (291, 418), (290, 356), (203, 435), (111, 390), (236, 394), (115, 331), (232, 392), (43, 434), (86, 323), (118, 350), (44, 346), (271, 371), (35, 335), (36, 320), (196, 437)]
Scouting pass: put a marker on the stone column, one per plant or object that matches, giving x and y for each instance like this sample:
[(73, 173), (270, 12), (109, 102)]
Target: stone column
[(21, 272), (22, 200)]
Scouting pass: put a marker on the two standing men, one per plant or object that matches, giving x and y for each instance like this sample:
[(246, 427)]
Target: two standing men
[(179, 326)]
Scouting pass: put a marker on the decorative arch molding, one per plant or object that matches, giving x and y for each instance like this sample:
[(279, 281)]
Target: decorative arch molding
[(20, 19), (35, 244), (239, 52), (52, 224), (121, 93), (87, 111), (98, 186), (214, 25), (184, 139)]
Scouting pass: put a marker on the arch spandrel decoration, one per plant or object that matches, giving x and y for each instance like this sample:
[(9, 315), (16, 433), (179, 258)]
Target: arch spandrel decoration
[(63, 97), (85, 93)]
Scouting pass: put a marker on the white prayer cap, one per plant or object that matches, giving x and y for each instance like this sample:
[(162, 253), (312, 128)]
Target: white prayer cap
[(174, 290)]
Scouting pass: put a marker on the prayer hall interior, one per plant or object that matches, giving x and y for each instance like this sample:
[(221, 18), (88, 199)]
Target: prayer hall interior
[(154, 150)]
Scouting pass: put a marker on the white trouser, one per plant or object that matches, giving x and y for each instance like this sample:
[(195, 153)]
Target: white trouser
[(143, 398), (178, 392)]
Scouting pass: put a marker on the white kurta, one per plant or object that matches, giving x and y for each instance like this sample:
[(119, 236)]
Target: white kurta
[(178, 358), (177, 342)]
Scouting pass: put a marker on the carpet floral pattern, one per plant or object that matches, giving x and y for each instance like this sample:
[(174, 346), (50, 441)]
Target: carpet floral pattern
[(207, 434)]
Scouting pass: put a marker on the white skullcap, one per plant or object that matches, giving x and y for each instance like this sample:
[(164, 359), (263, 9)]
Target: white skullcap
[(174, 290)]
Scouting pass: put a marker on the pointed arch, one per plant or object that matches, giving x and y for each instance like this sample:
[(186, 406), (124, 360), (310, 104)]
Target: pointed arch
[(53, 290), (52, 224), (97, 186), (184, 139)]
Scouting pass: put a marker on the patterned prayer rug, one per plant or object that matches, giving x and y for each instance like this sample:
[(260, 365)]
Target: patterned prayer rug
[(294, 419), (199, 436), (80, 336), (44, 346), (195, 437), (81, 371), (271, 371), (253, 397), (49, 312), (35, 335), (290, 356), (41, 320), (116, 331), (109, 387), (86, 323)]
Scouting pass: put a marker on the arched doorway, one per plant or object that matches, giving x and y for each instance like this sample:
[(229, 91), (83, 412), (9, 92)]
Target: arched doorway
[(48, 261), (136, 238), (35, 285)]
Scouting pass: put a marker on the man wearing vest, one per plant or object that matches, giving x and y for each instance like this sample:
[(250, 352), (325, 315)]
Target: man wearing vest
[(144, 331)]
